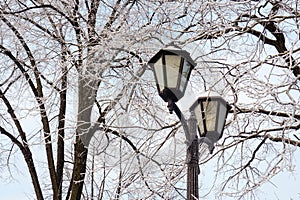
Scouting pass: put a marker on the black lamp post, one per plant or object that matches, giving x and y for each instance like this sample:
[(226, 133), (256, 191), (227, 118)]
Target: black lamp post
[(172, 69)]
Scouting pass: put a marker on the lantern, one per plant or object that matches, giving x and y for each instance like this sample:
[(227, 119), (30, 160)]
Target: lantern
[(172, 69), (211, 113)]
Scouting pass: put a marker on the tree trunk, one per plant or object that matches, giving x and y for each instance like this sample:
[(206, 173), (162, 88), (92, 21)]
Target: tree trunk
[(79, 170)]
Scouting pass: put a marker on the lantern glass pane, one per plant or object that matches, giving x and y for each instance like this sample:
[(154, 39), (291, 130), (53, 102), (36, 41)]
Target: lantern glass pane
[(172, 66), (159, 73), (184, 76), (198, 114), (222, 116), (210, 110)]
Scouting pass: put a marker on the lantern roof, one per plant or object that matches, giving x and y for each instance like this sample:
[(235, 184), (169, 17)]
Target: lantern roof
[(211, 95), (208, 94), (173, 51)]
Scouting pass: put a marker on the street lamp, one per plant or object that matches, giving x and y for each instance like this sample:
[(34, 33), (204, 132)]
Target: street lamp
[(172, 69), (211, 111)]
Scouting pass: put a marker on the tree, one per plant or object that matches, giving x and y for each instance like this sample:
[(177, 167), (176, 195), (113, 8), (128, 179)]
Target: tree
[(80, 67)]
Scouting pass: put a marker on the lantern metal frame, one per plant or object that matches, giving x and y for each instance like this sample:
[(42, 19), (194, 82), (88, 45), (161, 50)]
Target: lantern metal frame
[(218, 127), (166, 93)]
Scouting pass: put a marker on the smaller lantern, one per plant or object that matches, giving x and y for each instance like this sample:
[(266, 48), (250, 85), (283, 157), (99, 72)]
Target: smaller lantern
[(211, 113), (172, 69)]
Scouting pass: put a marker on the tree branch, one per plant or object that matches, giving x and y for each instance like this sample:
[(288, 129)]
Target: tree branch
[(29, 161), (43, 113), (267, 112)]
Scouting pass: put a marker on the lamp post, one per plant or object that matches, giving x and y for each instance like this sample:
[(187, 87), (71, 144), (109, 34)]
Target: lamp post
[(172, 69)]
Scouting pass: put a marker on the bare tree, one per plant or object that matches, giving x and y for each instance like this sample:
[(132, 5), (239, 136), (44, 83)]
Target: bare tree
[(79, 67)]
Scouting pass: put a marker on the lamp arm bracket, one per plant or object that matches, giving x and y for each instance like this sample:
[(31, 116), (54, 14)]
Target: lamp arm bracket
[(209, 143), (173, 107)]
